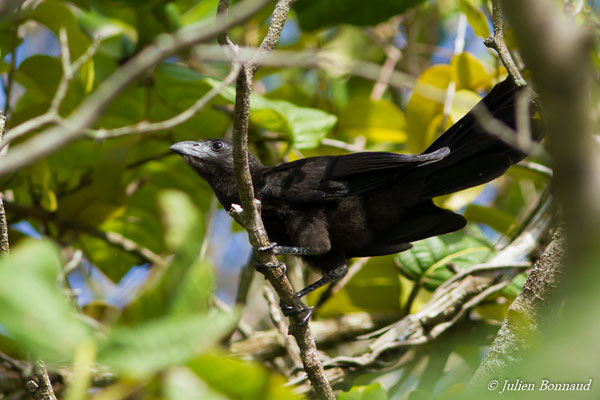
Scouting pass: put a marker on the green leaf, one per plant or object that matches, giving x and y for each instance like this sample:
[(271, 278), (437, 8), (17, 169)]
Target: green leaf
[(156, 345), (501, 221), (428, 259), (241, 379), (39, 86), (33, 309), (372, 392), (304, 126), (375, 288), (56, 15), (379, 121), (181, 383), (476, 18), (319, 14)]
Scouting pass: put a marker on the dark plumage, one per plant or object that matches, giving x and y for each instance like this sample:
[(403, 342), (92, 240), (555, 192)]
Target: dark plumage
[(328, 209)]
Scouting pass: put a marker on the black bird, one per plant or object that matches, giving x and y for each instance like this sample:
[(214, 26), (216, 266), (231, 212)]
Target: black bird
[(332, 208)]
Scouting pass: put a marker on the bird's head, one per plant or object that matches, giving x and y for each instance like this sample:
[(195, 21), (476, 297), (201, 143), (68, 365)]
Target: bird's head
[(212, 159)]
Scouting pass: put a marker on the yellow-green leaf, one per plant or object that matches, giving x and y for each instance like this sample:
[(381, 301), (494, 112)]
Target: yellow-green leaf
[(476, 18), (462, 102), (426, 102), (378, 120), (469, 73)]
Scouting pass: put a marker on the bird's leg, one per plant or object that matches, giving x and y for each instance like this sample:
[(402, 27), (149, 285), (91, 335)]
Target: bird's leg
[(332, 276)]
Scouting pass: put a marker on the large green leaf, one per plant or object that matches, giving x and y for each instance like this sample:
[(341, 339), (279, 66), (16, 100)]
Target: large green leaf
[(375, 288), (305, 127), (182, 383), (427, 262), (501, 221), (33, 309), (318, 14), (371, 392), (153, 346), (241, 379)]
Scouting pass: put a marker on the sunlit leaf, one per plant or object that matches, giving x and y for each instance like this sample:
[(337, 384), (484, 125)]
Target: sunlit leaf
[(375, 288), (182, 383), (164, 342), (379, 121), (252, 381), (421, 109), (304, 126), (456, 201), (476, 18), (462, 102), (469, 73), (33, 308), (371, 392)]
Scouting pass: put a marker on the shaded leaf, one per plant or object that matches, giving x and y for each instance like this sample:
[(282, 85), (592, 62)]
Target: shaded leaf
[(501, 221), (314, 15)]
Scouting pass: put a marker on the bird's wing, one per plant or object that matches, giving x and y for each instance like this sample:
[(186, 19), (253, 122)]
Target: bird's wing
[(322, 179)]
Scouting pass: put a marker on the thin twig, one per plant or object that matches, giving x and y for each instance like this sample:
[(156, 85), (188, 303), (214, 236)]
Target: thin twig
[(52, 114), (496, 42), (72, 128), (277, 319), (113, 238), (146, 127), (4, 243)]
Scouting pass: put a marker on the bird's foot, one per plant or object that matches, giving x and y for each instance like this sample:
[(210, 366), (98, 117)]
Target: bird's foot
[(288, 311), (262, 268)]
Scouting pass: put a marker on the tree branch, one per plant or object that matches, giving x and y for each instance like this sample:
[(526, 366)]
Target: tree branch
[(112, 238), (531, 314), (251, 214), (146, 127), (4, 244), (72, 128)]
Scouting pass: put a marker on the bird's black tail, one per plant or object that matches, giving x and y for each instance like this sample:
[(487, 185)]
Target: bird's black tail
[(476, 157)]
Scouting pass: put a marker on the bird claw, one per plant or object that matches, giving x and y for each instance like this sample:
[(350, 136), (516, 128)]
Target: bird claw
[(262, 268), (271, 246), (290, 310)]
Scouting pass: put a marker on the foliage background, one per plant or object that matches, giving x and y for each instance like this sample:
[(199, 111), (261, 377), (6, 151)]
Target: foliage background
[(118, 250)]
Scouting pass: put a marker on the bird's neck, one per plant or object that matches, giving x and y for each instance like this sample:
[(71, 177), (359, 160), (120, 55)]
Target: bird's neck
[(225, 187)]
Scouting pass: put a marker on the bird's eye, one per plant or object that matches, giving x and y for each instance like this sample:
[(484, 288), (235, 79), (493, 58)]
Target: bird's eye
[(217, 145)]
